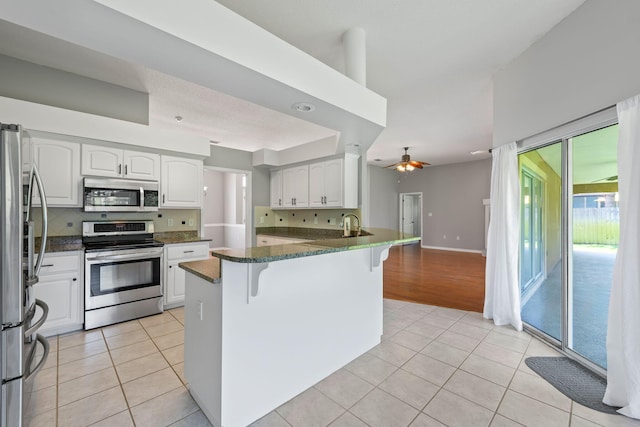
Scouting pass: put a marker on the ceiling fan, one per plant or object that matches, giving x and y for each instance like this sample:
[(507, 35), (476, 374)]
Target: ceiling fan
[(406, 164)]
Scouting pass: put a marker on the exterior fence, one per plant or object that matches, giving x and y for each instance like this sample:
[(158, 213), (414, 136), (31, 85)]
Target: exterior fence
[(596, 226)]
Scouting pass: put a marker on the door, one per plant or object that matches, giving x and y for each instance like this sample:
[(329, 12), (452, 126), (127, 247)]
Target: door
[(411, 213), (276, 189), (139, 165), (59, 166), (569, 239), (181, 182), (101, 161), (333, 183)]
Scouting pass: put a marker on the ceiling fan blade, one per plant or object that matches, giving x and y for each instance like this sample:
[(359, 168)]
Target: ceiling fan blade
[(416, 163), (392, 166)]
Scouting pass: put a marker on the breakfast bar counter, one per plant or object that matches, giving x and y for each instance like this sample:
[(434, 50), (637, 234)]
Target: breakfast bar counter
[(264, 324)]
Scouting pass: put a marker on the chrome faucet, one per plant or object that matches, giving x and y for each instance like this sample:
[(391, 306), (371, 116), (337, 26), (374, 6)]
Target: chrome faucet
[(346, 232)]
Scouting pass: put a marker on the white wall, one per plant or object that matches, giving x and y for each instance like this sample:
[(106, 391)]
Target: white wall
[(586, 63)]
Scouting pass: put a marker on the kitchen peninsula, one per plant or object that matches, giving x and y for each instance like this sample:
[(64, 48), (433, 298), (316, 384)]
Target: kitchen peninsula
[(264, 324)]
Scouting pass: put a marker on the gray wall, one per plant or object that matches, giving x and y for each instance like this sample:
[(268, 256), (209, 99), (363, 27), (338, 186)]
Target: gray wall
[(383, 198), (586, 63), (43, 85), (453, 194), (242, 160), (212, 209)]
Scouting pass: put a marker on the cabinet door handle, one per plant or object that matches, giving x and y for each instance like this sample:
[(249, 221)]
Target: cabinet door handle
[(75, 279), (47, 265), (163, 198), (119, 168), (125, 170), (279, 202), (188, 252), (171, 266)]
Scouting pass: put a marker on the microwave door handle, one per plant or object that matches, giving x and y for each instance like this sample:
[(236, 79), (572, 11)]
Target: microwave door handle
[(141, 198), (45, 218)]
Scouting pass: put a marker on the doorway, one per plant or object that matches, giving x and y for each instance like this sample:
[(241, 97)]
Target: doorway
[(226, 214), (569, 238), (411, 213)]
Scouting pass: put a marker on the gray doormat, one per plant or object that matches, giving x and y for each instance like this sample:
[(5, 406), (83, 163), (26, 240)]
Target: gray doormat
[(573, 380)]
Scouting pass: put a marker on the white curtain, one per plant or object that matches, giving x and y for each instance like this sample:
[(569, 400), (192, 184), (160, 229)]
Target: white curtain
[(502, 289), (623, 335)]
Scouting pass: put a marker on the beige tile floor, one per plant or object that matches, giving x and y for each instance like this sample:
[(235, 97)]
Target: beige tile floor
[(434, 367)]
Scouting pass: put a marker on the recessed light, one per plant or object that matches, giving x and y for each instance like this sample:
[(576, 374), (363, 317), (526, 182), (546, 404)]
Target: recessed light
[(178, 118), (303, 107), (477, 152), (211, 141), (377, 160)]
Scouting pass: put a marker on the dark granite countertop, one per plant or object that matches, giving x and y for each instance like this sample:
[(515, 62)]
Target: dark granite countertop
[(170, 237), (378, 237), (60, 244), (301, 233), (208, 269)]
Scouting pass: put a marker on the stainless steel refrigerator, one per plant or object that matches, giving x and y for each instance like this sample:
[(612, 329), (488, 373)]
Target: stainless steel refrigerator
[(23, 352)]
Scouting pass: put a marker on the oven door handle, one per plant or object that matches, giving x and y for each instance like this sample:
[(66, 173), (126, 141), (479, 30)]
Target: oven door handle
[(124, 257), (141, 198)]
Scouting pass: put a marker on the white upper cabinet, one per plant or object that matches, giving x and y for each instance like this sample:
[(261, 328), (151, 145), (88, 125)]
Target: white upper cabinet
[(59, 165), (101, 161), (118, 163), (181, 182), (295, 187), (327, 184), (276, 189), (140, 165)]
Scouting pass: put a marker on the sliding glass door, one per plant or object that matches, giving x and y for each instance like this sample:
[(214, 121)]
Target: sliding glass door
[(540, 245), (569, 238)]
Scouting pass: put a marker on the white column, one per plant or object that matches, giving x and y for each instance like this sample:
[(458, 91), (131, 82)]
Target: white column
[(355, 54)]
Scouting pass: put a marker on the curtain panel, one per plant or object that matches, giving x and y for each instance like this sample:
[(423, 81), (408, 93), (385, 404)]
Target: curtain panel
[(502, 288), (623, 336)]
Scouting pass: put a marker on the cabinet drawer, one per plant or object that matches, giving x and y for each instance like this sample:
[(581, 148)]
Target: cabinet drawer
[(187, 251), (54, 263)]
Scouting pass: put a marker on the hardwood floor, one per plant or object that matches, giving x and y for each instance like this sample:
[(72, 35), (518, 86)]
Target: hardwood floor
[(429, 276)]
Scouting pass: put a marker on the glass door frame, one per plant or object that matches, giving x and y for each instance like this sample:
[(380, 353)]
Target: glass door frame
[(563, 135)]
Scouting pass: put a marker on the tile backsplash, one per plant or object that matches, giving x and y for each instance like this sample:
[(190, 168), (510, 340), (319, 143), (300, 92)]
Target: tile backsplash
[(68, 221), (264, 216)]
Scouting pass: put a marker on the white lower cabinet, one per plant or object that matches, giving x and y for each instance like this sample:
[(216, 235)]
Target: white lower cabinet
[(61, 287), (174, 276)]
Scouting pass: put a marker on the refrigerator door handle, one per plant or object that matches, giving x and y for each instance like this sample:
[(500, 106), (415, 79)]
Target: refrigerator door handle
[(45, 313), (35, 176), (40, 365)]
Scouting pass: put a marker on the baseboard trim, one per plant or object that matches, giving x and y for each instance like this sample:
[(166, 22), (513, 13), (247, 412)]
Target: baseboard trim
[(441, 248)]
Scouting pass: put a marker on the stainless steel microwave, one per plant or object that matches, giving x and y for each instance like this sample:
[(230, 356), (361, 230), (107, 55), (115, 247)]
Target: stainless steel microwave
[(120, 195)]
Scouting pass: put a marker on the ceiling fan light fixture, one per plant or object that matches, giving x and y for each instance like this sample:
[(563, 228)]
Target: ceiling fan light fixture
[(400, 168), (409, 168)]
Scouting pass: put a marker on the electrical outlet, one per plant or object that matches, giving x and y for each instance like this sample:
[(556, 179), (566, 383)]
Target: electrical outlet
[(444, 237), (332, 221), (315, 219), (191, 222), (457, 237), (261, 220), (170, 222), (430, 213)]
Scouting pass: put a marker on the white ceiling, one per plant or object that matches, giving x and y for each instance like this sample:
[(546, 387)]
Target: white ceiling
[(432, 59)]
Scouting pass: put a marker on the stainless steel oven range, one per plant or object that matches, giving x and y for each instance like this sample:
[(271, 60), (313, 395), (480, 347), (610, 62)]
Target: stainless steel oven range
[(123, 272)]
